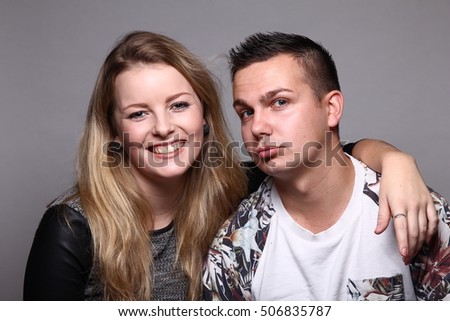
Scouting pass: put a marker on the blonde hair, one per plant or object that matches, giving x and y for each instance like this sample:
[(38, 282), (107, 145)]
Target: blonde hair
[(116, 209)]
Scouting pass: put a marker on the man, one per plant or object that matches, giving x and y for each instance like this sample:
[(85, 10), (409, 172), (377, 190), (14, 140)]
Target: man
[(306, 234)]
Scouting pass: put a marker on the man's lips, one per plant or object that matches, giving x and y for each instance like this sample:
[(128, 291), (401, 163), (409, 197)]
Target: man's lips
[(267, 152), (166, 148)]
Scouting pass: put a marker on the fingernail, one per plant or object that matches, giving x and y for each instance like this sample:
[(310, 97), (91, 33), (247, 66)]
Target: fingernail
[(404, 252)]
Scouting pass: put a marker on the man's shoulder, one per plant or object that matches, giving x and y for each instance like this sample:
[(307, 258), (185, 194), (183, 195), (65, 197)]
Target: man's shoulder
[(441, 205), (253, 209), (432, 284), (260, 195), (370, 181)]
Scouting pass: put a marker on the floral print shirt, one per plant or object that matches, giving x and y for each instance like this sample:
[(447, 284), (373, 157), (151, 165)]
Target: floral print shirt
[(237, 248)]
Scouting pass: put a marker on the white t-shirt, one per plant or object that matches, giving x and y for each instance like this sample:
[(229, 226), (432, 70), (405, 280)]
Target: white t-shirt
[(346, 262)]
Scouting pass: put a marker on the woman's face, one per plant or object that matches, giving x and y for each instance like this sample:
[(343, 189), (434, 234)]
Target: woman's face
[(159, 121)]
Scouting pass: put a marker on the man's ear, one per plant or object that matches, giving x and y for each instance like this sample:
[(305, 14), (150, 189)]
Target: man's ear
[(334, 102)]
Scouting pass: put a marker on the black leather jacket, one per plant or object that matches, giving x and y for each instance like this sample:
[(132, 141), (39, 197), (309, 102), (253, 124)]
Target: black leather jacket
[(60, 251)]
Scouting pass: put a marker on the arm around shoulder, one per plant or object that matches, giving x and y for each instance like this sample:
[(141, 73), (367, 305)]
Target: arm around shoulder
[(402, 191)]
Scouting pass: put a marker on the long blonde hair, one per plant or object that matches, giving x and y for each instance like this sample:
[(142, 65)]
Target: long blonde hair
[(116, 209)]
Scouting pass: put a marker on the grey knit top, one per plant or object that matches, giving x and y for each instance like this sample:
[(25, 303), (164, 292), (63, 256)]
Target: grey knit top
[(169, 281)]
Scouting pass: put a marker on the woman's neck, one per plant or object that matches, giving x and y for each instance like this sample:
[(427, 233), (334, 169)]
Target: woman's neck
[(163, 196), (163, 203)]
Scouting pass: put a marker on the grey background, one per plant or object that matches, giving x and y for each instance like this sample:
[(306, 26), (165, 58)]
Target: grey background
[(392, 57)]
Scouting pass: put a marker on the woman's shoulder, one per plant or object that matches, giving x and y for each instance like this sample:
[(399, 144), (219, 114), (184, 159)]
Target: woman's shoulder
[(65, 215), (69, 198), (60, 258)]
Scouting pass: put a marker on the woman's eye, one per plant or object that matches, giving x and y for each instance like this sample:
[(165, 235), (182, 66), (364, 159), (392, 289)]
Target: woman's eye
[(179, 105), (137, 115)]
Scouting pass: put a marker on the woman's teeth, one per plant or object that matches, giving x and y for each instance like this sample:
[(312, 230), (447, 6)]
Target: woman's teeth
[(165, 149)]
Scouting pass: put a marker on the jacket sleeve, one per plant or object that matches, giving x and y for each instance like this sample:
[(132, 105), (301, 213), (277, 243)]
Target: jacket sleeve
[(60, 259)]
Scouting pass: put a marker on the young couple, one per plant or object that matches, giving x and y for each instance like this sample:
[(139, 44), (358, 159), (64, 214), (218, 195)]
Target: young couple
[(156, 181)]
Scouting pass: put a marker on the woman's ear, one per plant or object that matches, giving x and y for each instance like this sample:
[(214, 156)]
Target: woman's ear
[(115, 145), (334, 102), (117, 139), (205, 129)]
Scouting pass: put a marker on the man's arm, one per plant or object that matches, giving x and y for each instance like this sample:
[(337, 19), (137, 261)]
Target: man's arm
[(402, 191)]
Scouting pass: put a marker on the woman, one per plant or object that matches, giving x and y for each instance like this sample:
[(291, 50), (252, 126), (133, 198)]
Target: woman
[(145, 207)]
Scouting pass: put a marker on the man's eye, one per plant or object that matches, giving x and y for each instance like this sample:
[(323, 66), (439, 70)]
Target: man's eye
[(280, 102), (246, 113)]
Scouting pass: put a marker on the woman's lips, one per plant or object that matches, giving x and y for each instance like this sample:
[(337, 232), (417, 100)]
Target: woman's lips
[(166, 148)]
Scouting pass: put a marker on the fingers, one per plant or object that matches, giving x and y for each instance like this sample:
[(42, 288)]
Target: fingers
[(400, 226), (411, 231), (402, 234), (384, 216), (413, 227), (405, 191), (415, 237), (422, 228), (433, 220), (421, 225)]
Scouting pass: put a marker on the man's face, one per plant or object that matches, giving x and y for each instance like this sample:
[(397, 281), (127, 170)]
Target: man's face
[(282, 122)]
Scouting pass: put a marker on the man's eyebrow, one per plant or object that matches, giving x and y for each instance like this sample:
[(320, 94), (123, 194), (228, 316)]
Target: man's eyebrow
[(263, 98), (240, 102), (270, 94)]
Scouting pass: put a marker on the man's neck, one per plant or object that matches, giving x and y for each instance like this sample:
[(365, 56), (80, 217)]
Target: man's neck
[(317, 197)]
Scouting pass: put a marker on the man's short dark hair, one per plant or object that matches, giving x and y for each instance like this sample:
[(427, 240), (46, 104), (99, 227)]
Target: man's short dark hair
[(317, 63)]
